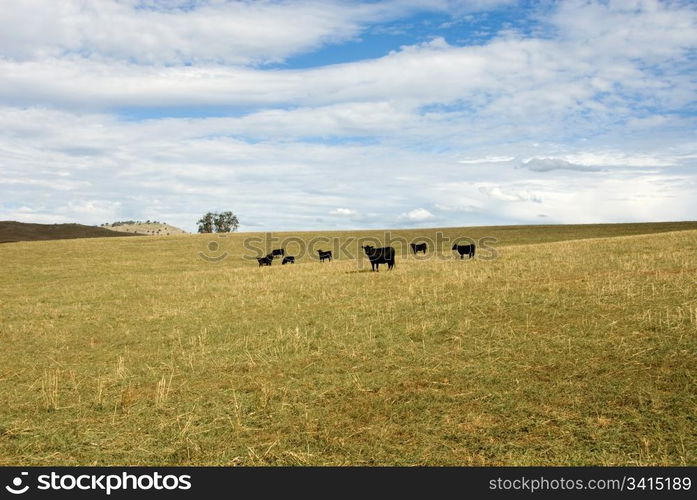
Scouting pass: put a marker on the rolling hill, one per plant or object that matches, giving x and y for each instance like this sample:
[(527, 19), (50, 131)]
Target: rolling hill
[(11, 231), (145, 228)]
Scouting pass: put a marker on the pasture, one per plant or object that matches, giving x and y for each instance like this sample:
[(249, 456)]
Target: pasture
[(577, 345)]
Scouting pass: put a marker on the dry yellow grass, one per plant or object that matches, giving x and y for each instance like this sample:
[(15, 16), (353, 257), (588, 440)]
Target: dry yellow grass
[(147, 228), (137, 351)]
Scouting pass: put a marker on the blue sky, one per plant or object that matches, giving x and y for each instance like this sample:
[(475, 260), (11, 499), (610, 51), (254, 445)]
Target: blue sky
[(320, 115), (381, 38)]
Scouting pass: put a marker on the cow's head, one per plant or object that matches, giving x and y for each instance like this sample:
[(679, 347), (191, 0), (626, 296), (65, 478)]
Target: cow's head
[(455, 246), (368, 249)]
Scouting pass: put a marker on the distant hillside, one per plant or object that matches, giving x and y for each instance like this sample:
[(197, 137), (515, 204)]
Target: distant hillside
[(148, 228), (20, 231)]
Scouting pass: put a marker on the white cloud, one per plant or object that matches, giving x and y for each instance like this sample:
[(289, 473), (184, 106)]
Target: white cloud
[(548, 164), (487, 159), (178, 32), (458, 207), (509, 80), (617, 159), (343, 212), (99, 208), (641, 29), (419, 214), (229, 32), (508, 194)]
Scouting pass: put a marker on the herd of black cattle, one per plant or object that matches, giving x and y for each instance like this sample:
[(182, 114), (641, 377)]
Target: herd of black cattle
[(377, 256)]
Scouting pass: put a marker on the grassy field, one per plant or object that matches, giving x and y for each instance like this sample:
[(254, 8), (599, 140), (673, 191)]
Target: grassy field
[(559, 351)]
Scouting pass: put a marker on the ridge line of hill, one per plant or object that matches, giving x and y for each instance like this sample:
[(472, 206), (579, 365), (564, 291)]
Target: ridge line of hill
[(13, 231)]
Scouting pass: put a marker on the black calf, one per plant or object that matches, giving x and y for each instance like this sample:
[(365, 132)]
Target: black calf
[(265, 261), (464, 250), (324, 255), (419, 247)]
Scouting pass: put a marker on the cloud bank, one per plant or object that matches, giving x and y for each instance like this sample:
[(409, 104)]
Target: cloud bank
[(124, 109)]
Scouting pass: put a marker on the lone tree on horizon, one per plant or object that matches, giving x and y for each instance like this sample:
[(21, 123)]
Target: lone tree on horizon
[(224, 222), (205, 223)]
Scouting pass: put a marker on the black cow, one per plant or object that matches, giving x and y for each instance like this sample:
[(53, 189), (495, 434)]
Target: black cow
[(324, 255), (278, 251), (464, 250), (288, 260), (265, 261), (379, 256), (419, 247)]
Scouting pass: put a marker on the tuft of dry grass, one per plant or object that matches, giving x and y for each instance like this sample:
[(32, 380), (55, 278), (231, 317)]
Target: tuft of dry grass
[(130, 351)]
